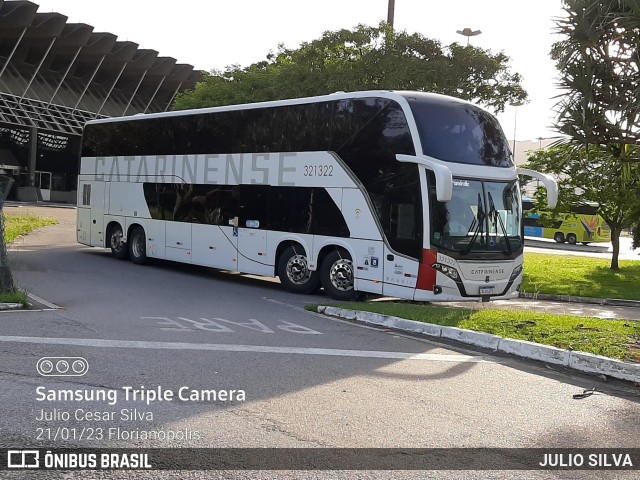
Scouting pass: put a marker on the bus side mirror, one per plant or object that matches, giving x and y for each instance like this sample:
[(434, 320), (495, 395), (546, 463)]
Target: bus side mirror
[(549, 183), (444, 178)]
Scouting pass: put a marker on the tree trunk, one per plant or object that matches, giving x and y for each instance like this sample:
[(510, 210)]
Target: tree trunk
[(615, 241), (6, 279)]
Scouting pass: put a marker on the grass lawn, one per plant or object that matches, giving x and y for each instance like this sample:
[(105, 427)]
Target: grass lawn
[(17, 296), (610, 338), (16, 225), (580, 276)]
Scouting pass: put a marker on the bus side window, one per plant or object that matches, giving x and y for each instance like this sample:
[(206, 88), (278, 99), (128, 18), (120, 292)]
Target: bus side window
[(221, 205), (86, 194), (403, 224), (161, 199), (289, 209), (252, 212)]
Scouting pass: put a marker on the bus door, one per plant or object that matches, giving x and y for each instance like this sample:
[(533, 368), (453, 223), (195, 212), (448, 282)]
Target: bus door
[(215, 237), (98, 196), (400, 274), (251, 230), (404, 235)]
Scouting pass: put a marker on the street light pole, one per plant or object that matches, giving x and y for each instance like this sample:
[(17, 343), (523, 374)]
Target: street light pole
[(467, 32), (515, 126), (390, 12)]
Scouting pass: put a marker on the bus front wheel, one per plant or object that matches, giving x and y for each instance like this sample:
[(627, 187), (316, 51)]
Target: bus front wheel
[(294, 273), (336, 275), (572, 239), (559, 237), (118, 247), (138, 246)]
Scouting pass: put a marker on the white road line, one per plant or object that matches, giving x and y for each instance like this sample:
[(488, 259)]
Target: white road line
[(104, 343), (44, 302)]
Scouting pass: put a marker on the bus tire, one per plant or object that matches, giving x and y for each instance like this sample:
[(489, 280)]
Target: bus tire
[(572, 239), (336, 275), (294, 273), (559, 237), (137, 246), (119, 249)]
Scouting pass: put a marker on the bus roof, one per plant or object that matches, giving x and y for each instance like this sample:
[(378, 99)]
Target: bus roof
[(390, 94)]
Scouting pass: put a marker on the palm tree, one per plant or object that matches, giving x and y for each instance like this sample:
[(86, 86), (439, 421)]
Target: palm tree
[(599, 108)]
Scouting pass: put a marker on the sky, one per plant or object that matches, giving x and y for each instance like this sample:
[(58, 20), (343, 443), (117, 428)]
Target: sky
[(213, 34)]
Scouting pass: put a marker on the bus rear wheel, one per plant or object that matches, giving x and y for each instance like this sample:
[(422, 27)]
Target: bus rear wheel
[(118, 247), (572, 239), (559, 237), (336, 275), (294, 273), (138, 246)]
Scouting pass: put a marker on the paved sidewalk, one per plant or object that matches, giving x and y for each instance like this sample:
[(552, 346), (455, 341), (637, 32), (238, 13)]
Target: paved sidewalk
[(578, 309)]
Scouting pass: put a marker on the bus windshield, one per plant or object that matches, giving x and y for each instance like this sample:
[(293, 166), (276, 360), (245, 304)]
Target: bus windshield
[(482, 216), (455, 131)]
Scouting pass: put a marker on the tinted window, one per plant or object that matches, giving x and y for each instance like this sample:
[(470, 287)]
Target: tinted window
[(321, 126), (212, 204), (455, 131), (290, 209), (285, 209), (252, 211), (393, 187), (305, 210), (585, 209), (527, 205)]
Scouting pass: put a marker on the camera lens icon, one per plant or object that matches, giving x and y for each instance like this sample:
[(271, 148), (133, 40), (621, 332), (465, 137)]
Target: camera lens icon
[(62, 366)]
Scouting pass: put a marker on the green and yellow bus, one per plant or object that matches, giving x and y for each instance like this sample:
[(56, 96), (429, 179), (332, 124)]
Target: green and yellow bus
[(582, 224)]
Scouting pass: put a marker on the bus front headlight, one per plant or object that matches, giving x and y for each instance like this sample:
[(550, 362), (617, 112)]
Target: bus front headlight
[(448, 271), (516, 271)]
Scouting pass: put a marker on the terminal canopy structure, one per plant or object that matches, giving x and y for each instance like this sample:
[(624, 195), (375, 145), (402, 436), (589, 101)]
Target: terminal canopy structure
[(54, 77)]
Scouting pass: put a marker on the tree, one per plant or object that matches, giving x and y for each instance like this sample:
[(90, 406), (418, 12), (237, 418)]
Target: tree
[(598, 58), (599, 62), (366, 58), (593, 177), (6, 279)]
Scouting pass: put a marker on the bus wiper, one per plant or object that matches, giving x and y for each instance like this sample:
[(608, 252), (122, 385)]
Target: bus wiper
[(496, 218), (477, 225)]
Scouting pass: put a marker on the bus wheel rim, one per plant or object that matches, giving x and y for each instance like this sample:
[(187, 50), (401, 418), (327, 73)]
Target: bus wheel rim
[(341, 275), (137, 246), (116, 240), (297, 270)]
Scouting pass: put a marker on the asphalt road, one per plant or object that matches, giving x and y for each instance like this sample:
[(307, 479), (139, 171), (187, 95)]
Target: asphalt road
[(308, 381)]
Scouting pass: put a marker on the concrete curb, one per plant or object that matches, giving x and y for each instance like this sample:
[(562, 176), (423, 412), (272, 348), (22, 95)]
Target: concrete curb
[(583, 362), (11, 306), (614, 302)]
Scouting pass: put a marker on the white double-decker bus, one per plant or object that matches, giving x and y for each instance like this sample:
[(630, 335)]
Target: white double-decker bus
[(402, 194)]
